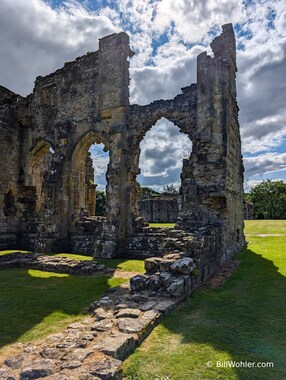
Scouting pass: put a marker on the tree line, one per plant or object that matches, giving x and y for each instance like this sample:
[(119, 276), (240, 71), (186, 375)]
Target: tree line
[(268, 199)]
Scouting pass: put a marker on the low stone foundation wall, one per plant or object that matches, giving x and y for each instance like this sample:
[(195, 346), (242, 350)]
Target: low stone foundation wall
[(95, 347), (51, 264), (8, 241), (189, 260)]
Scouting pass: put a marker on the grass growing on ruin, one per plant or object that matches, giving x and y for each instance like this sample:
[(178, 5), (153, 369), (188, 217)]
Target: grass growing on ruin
[(35, 303), (243, 320)]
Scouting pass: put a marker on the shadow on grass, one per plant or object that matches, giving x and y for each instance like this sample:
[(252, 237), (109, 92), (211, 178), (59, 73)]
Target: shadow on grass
[(245, 318), (132, 265), (30, 304)]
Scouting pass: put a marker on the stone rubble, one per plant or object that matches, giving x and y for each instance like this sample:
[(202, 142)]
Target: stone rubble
[(96, 346), (52, 264)]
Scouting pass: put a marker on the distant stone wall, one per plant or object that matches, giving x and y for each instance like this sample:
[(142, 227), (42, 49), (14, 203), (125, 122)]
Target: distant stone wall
[(248, 211), (160, 209)]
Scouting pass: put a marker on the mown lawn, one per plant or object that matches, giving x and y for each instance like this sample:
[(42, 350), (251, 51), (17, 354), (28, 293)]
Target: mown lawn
[(162, 225), (35, 303), (243, 320), (7, 252), (122, 264)]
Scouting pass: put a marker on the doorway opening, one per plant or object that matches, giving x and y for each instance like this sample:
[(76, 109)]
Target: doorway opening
[(163, 150)]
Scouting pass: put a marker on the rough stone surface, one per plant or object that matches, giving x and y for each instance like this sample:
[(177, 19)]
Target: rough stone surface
[(102, 325), (51, 263), (37, 369), (185, 266), (15, 362), (128, 313), (107, 369), (117, 345), (161, 209), (131, 325)]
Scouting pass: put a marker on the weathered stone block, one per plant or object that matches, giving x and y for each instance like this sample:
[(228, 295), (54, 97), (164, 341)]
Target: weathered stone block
[(177, 288), (38, 369), (128, 313), (138, 283), (118, 345), (165, 264), (184, 266), (152, 264), (107, 369), (103, 325)]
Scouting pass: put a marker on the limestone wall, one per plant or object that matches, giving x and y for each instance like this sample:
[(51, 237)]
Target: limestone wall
[(160, 209), (87, 102), (10, 153)]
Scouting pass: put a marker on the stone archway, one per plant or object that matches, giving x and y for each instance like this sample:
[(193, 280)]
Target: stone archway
[(163, 149), (82, 191), (38, 164)]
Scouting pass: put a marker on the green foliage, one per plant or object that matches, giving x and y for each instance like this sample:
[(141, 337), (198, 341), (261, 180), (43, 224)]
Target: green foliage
[(147, 191), (170, 189), (242, 320), (100, 203), (246, 197), (269, 200)]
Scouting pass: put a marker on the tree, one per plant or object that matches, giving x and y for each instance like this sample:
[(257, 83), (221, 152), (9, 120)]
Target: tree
[(170, 189), (144, 190), (269, 200), (100, 203)]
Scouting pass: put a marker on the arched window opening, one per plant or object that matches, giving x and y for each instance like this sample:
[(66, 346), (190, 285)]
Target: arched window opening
[(39, 165), (9, 208), (100, 159), (163, 150), (89, 177)]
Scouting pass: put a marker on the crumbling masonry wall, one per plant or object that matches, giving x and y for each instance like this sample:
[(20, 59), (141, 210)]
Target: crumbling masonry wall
[(46, 136), (161, 209)]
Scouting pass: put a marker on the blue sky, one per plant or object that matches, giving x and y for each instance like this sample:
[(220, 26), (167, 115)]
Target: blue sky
[(37, 37)]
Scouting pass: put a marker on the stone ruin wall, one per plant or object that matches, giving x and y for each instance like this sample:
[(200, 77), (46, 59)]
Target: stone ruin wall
[(45, 138), (161, 209)]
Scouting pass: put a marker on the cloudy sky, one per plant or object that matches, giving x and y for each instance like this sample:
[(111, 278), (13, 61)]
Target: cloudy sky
[(37, 37)]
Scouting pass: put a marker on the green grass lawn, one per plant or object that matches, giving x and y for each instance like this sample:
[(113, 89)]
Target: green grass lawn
[(123, 264), (35, 303), (162, 225), (243, 320), (6, 252)]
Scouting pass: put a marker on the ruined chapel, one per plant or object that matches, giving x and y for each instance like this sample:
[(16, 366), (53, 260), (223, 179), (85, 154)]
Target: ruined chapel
[(46, 196)]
